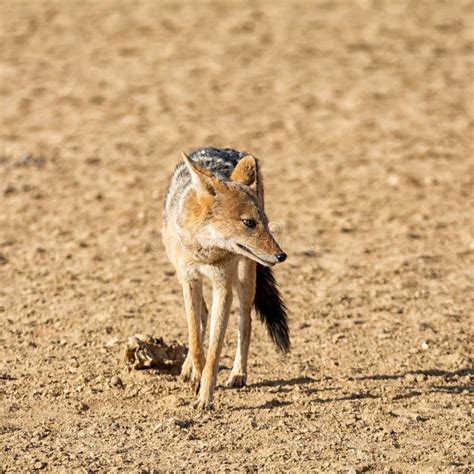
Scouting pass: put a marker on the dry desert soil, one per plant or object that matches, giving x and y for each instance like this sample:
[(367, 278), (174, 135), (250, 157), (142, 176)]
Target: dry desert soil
[(362, 115)]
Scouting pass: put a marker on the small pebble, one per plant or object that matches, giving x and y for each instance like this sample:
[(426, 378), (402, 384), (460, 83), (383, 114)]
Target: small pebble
[(82, 407), (183, 424), (10, 189), (180, 402), (116, 381), (424, 345), (112, 342), (347, 228), (410, 378), (39, 465), (393, 180)]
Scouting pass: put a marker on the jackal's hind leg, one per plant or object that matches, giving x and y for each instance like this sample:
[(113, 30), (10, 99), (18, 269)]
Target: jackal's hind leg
[(245, 283), (187, 367)]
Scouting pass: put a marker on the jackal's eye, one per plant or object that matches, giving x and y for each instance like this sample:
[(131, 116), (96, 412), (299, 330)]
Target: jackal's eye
[(249, 223)]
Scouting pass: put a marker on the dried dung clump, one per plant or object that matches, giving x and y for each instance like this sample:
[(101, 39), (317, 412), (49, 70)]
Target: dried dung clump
[(146, 352)]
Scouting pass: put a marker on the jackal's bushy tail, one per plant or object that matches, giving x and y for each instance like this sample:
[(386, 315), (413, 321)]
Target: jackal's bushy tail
[(271, 309)]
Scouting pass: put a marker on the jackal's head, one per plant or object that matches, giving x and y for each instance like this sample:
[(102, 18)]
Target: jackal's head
[(229, 214)]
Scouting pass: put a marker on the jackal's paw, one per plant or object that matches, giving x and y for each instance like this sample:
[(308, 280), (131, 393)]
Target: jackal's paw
[(186, 370), (237, 380), (196, 383), (205, 405), (185, 375)]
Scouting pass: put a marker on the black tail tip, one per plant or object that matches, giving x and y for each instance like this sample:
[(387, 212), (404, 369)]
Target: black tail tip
[(284, 345), (271, 308), (279, 331)]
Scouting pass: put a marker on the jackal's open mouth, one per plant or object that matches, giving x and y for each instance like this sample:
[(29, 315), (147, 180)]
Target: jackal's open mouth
[(257, 257), (243, 247)]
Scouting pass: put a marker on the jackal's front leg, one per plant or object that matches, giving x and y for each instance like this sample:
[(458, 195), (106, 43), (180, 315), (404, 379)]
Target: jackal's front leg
[(187, 368), (221, 302), (192, 293)]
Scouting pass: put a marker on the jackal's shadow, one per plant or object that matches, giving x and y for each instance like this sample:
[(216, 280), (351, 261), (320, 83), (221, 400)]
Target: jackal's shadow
[(427, 372), (283, 383)]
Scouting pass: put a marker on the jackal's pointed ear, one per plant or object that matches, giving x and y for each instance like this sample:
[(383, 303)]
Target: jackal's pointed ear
[(246, 172), (203, 180)]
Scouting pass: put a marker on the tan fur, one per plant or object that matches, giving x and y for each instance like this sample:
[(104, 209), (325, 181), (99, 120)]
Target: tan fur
[(207, 237), (246, 279), (246, 172), (196, 208)]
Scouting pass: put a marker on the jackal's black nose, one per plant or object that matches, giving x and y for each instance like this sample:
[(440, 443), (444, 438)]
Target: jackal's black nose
[(281, 257)]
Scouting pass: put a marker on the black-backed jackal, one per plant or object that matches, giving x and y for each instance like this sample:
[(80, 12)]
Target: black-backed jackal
[(214, 225)]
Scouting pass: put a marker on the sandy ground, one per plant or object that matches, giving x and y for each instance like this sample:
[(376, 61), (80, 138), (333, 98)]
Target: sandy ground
[(362, 115)]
